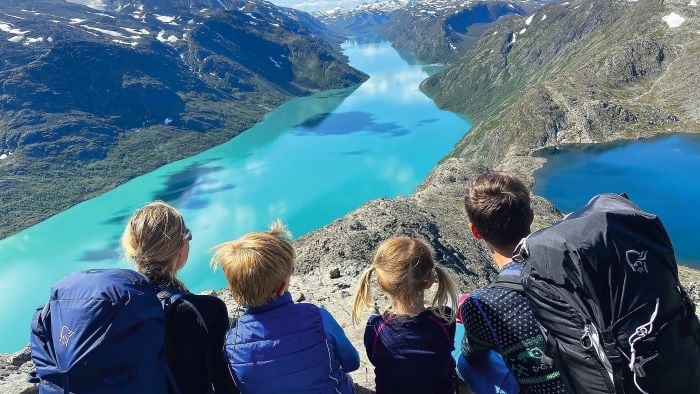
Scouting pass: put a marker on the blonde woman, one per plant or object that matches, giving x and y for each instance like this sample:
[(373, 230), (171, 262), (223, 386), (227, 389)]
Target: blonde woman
[(410, 346), (158, 242)]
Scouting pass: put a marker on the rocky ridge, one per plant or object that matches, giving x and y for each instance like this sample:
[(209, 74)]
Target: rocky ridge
[(331, 259), (577, 72), (434, 31), (368, 18), (443, 31), (503, 142)]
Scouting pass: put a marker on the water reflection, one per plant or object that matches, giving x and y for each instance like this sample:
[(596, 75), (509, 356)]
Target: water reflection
[(348, 123), (179, 183), (107, 253)]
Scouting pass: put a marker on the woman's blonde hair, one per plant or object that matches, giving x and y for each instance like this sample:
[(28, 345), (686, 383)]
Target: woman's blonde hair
[(405, 267), (257, 264), (152, 240)]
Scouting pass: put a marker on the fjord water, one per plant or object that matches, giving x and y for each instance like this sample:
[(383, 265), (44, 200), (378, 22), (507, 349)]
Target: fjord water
[(308, 162), (662, 176)]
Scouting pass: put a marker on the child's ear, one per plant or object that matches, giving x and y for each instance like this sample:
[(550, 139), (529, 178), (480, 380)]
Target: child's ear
[(283, 288), (475, 232)]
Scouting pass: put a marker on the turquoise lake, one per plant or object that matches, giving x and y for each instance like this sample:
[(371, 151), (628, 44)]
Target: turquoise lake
[(661, 176), (308, 162)]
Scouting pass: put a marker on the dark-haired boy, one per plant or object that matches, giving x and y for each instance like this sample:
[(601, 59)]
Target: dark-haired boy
[(498, 317)]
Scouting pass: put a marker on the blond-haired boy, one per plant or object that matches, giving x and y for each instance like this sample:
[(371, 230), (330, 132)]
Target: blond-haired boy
[(277, 345)]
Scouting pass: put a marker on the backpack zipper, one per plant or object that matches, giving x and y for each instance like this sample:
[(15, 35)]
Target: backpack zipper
[(591, 340)]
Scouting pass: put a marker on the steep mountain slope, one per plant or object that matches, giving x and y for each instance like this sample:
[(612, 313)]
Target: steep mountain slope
[(90, 99), (436, 31), (369, 18), (442, 31), (581, 72)]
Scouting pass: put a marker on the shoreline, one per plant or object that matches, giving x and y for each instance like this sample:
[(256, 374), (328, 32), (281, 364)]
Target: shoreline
[(433, 212)]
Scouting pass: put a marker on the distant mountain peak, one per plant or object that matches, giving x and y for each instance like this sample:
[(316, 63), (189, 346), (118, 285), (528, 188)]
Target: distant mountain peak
[(170, 5)]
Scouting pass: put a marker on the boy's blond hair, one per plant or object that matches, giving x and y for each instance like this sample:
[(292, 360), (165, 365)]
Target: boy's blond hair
[(257, 264)]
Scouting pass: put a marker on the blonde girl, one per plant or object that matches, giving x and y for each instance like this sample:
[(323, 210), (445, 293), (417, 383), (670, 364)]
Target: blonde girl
[(410, 345), (158, 242)]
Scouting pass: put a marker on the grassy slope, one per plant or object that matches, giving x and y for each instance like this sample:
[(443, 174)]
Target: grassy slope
[(34, 187), (592, 71)]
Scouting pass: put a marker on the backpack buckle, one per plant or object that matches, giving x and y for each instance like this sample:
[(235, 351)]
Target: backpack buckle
[(609, 347)]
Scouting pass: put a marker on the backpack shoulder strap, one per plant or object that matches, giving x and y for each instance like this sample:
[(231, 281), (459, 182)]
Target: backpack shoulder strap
[(171, 296), (489, 326), (510, 278)]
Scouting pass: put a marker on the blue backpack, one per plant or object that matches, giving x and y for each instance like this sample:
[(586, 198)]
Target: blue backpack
[(103, 331)]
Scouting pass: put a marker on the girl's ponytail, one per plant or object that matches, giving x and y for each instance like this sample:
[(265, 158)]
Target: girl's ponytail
[(363, 295), (446, 294)]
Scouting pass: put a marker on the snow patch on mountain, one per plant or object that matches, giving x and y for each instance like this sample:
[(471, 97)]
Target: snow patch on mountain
[(33, 40), (165, 18), (108, 32), (134, 31), (8, 28), (673, 20), (14, 16), (169, 39)]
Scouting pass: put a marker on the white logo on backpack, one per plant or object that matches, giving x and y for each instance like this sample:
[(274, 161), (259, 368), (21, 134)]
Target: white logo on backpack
[(637, 261), (66, 333)]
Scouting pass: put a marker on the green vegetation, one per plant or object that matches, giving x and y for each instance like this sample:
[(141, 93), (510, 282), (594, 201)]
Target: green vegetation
[(598, 72), (33, 190), (84, 113)]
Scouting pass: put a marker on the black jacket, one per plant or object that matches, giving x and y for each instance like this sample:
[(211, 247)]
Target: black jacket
[(196, 326)]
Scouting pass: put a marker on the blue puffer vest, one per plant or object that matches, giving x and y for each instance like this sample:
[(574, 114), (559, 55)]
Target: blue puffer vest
[(280, 347)]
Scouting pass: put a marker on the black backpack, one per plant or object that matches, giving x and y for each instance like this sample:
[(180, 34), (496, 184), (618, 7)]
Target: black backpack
[(604, 284)]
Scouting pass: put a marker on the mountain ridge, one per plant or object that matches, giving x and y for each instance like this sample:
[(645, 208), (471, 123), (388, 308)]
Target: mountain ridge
[(563, 79), (86, 92), (434, 31)]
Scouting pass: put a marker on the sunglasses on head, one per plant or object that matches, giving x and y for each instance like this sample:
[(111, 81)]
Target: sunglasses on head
[(187, 235)]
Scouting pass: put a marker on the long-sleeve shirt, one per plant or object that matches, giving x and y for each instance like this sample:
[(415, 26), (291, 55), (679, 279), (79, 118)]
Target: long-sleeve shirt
[(346, 355), (196, 327), (518, 338), (411, 354)]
